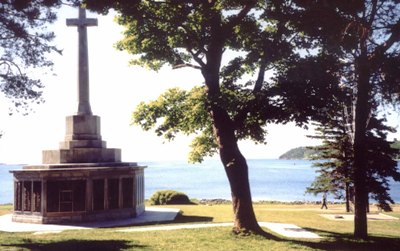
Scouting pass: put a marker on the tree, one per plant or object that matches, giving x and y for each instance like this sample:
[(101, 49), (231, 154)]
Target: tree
[(199, 34), (334, 172), (364, 37), (381, 164), (24, 44)]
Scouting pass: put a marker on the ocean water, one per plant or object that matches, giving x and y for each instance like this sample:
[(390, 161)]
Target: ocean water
[(280, 180)]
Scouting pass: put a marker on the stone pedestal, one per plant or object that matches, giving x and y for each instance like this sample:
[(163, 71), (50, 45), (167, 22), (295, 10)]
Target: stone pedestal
[(82, 144)]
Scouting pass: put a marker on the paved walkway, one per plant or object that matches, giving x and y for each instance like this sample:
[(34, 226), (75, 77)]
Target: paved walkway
[(175, 227), (350, 217), (150, 216), (287, 230), (290, 230)]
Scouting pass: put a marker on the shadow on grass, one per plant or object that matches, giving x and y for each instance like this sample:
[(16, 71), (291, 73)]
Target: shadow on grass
[(336, 241), (191, 219), (179, 219), (74, 245)]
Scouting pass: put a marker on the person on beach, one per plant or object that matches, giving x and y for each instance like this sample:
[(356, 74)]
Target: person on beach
[(324, 201)]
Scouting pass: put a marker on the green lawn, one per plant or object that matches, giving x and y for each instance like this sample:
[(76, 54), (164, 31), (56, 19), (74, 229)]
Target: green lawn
[(385, 235)]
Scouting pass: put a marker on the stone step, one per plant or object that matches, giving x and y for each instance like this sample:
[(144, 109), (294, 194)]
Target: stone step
[(81, 155)]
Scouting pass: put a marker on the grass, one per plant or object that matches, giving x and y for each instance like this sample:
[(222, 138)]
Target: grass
[(5, 209), (384, 235)]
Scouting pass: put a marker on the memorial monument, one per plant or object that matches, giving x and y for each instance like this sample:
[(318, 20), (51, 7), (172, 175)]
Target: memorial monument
[(83, 180)]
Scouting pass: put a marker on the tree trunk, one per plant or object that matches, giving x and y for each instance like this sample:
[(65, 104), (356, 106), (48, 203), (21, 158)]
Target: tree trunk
[(360, 150), (360, 212), (237, 172), (234, 163), (232, 159), (347, 192)]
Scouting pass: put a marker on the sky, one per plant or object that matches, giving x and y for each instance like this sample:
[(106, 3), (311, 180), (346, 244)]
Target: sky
[(115, 90)]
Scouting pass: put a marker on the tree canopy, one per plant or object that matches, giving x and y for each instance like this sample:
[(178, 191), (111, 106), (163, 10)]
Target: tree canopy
[(363, 40), (232, 44), (335, 173), (312, 50), (24, 44)]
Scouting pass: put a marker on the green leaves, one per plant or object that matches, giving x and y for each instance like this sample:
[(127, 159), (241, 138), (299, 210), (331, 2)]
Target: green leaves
[(202, 146), (309, 87), (178, 111), (158, 32), (193, 32), (24, 44)]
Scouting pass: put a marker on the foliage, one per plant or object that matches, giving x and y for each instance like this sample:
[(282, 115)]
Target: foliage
[(232, 44), (24, 44), (309, 87), (169, 197), (363, 40), (182, 111), (316, 50), (335, 173), (181, 34), (381, 165)]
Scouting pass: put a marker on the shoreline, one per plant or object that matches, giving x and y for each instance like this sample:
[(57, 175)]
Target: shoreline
[(271, 202)]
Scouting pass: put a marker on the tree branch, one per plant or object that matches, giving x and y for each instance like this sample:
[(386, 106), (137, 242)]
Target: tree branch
[(9, 63), (236, 20), (373, 13), (260, 77), (192, 36), (394, 37), (196, 58), (186, 65), (243, 113)]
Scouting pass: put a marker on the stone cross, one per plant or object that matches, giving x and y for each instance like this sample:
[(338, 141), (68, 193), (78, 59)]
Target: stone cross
[(83, 63)]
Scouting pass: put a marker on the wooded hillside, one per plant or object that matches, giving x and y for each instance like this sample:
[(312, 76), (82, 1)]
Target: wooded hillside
[(302, 152)]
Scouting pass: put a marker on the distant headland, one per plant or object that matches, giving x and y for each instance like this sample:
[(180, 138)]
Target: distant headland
[(302, 152), (307, 152)]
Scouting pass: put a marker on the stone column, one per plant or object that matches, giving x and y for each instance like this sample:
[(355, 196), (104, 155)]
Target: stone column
[(120, 194), (44, 197), (106, 207), (89, 195), (83, 60)]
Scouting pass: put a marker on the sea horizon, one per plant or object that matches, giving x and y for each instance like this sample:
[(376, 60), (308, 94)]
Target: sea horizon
[(270, 180)]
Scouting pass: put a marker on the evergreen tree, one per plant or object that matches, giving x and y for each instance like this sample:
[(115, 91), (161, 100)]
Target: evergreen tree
[(381, 164), (335, 173), (363, 38)]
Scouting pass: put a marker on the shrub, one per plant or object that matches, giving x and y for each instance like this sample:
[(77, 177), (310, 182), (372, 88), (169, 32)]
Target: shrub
[(169, 197)]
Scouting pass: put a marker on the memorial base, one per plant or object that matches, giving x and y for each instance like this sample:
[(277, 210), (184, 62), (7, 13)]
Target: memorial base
[(78, 192)]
